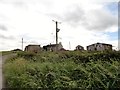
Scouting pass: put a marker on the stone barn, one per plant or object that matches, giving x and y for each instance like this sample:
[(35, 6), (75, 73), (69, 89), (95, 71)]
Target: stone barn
[(79, 48), (33, 48), (99, 47), (53, 47)]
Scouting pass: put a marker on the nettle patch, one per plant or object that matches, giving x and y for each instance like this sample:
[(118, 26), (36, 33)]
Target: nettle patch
[(63, 70)]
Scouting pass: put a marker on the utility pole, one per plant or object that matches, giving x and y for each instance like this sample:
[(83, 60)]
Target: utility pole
[(57, 30), (22, 44), (69, 45)]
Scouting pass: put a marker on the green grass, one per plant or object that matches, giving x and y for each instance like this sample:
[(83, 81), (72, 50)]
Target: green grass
[(6, 52), (3, 53), (63, 69)]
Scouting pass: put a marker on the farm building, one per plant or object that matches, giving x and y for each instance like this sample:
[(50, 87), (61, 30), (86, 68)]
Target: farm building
[(33, 48), (62, 49), (53, 47), (16, 50), (79, 48), (99, 47)]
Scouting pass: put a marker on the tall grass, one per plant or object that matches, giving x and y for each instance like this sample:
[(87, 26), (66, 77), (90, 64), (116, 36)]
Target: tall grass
[(7, 52), (63, 69)]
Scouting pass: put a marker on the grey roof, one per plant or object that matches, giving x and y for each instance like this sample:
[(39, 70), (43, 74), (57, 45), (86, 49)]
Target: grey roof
[(100, 43), (51, 45), (33, 45)]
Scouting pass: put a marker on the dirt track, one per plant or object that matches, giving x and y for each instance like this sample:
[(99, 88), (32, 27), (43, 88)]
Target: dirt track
[(2, 60), (1, 72)]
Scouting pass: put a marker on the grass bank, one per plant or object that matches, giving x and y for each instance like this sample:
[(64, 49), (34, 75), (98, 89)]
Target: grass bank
[(63, 69)]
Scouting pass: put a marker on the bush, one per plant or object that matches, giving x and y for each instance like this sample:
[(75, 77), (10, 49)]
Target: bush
[(64, 70), (27, 55)]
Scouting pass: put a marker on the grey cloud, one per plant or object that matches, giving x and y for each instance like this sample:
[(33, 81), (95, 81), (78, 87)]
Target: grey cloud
[(3, 37), (92, 20), (74, 16), (35, 42), (101, 20), (19, 4), (3, 27), (98, 19), (12, 1), (119, 14), (16, 3)]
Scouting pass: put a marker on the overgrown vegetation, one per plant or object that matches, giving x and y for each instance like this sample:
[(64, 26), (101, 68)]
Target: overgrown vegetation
[(64, 70), (6, 52)]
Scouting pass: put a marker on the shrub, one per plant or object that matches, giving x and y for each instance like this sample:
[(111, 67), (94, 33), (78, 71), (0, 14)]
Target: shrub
[(64, 70)]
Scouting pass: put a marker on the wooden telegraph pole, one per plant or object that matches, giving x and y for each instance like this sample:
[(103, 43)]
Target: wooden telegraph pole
[(22, 44), (57, 30)]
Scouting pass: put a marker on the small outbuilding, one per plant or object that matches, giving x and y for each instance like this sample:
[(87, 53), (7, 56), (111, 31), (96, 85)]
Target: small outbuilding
[(79, 48), (53, 47), (33, 48), (99, 47), (16, 50)]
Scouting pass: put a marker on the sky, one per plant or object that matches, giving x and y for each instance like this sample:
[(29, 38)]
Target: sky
[(82, 22)]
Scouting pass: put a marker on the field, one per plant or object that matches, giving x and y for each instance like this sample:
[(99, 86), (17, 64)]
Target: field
[(67, 69), (6, 52)]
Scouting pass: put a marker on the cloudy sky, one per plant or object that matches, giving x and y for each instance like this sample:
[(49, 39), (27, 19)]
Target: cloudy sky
[(82, 22)]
